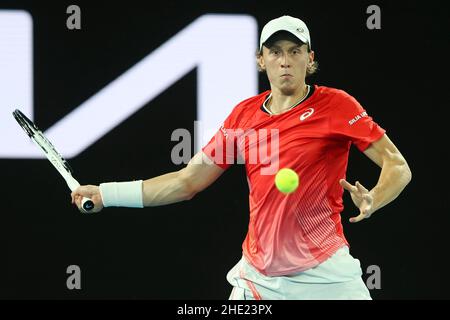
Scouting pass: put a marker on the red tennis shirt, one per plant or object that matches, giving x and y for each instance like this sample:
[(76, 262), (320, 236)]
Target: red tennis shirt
[(292, 233)]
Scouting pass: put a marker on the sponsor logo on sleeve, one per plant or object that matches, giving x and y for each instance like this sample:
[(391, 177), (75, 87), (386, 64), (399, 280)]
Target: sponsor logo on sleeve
[(359, 116)]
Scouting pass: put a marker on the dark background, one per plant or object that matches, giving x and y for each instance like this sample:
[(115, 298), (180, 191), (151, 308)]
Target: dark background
[(184, 250)]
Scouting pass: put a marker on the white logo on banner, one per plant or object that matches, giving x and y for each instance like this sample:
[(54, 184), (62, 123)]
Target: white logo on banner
[(225, 77)]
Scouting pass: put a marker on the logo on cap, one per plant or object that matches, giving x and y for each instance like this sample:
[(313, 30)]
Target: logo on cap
[(300, 30)]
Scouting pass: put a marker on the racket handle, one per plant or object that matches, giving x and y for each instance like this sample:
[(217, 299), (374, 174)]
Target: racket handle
[(87, 204)]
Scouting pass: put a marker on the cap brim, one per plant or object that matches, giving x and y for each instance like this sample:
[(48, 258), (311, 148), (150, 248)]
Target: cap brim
[(299, 37)]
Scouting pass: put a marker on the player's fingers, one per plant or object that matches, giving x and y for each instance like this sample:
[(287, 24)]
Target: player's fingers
[(81, 190), (73, 195), (84, 191), (361, 187), (368, 198), (76, 200), (347, 186), (357, 218)]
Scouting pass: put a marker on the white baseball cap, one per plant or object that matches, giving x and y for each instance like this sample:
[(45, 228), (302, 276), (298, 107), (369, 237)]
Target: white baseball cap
[(290, 24)]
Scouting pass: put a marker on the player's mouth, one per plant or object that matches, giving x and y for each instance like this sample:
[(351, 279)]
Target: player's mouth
[(286, 75)]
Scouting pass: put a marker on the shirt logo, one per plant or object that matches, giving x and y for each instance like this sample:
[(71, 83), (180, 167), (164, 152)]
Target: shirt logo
[(359, 116), (307, 114)]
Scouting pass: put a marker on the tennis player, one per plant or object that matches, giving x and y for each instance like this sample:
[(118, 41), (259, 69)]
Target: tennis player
[(295, 247)]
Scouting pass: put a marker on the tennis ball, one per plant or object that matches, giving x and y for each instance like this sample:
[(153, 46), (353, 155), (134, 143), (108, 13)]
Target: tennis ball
[(286, 180)]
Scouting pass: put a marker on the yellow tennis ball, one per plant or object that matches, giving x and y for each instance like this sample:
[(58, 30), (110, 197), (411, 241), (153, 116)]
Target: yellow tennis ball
[(286, 180)]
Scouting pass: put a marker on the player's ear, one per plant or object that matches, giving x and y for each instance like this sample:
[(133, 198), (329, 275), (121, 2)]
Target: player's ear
[(311, 57), (260, 62)]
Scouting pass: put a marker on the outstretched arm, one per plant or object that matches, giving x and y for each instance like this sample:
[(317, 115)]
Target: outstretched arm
[(165, 189), (183, 184), (395, 175)]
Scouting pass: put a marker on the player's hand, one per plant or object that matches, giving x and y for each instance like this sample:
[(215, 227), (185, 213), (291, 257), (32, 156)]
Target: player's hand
[(89, 191), (362, 198)]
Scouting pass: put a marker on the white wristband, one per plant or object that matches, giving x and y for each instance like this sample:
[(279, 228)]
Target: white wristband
[(122, 194)]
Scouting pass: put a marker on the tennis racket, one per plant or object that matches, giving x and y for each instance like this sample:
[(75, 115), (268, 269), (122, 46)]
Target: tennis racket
[(52, 155)]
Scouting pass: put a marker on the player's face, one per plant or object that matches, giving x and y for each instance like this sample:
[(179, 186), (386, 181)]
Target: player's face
[(285, 63)]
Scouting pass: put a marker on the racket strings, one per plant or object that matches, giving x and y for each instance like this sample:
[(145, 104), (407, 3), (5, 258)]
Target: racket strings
[(32, 130)]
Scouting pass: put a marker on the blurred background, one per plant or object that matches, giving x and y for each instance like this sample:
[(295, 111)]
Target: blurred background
[(183, 251)]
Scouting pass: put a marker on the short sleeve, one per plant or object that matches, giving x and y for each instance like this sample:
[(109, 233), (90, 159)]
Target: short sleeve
[(221, 149), (350, 121)]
